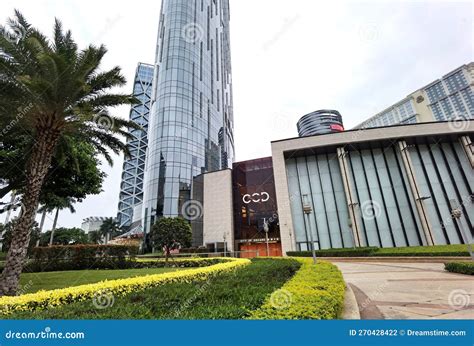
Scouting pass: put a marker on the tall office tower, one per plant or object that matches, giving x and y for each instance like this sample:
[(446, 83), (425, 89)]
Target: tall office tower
[(191, 123), (451, 97), (131, 188)]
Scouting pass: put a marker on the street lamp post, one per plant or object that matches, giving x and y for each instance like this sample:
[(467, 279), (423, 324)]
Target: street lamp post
[(307, 210), (225, 243), (266, 229), (456, 213)]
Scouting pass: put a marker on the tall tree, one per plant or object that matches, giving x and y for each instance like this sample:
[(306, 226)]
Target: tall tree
[(109, 229), (62, 94), (65, 236), (171, 233)]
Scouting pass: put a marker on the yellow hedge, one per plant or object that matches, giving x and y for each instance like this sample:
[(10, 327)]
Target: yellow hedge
[(120, 287), (314, 292)]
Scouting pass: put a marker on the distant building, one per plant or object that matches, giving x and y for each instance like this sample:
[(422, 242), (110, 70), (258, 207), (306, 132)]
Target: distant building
[(450, 97), (92, 223), (131, 188), (320, 122)]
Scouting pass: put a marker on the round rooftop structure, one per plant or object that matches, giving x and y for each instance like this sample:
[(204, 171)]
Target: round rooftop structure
[(320, 122)]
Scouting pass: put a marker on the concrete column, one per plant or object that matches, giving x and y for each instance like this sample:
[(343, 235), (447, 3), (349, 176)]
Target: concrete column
[(419, 202), (287, 236), (349, 192), (468, 148)]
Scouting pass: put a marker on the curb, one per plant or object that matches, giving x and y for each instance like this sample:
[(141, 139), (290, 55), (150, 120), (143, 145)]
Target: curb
[(398, 259), (351, 308)]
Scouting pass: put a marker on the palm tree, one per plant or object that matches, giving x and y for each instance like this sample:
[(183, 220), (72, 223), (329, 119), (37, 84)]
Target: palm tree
[(109, 228), (54, 92)]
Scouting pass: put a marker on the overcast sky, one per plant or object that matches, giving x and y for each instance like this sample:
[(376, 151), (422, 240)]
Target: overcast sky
[(288, 59)]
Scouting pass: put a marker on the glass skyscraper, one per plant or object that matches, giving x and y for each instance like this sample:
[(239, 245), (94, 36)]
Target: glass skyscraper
[(191, 122), (131, 188)]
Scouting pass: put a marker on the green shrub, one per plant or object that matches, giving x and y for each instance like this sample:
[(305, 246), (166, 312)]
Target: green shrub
[(77, 257), (348, 252), (460, 267), (435, 250), (315, 292)]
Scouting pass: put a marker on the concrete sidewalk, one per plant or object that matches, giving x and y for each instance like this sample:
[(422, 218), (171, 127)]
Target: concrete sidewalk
[(409, 290)]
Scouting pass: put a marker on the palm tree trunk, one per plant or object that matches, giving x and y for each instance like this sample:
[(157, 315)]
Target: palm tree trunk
[(38, 165), (43, 217), (54, 227)]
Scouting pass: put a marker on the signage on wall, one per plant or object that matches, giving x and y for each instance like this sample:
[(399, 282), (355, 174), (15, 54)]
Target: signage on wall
[(257, 197)]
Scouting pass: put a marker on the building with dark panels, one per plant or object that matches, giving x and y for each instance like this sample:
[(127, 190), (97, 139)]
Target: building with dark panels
[(191, 123), (320, 122), (131, 187), (254, 206)]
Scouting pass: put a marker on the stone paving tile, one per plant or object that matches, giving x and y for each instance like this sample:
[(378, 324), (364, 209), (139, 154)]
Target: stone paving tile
[(408, 290)]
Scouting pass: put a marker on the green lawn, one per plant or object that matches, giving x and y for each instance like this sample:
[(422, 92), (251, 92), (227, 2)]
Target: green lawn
[(32, 282), (226, 296)]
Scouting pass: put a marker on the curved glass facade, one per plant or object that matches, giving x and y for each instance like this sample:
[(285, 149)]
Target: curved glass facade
[(320, 122), (191, 123)]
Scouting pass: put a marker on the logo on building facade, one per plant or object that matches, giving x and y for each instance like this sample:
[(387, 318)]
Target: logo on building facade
[(257, 197)]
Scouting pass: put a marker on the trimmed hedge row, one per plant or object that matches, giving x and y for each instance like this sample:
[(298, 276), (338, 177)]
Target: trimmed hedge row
[(349, 252), (436, 250), (179, 263), (314, 292), (460, 267), (456, 250), (78, 257)]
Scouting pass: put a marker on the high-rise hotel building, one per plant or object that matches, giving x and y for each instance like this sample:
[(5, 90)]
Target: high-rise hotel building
[(131, 187), (191, 123), (447, 98)]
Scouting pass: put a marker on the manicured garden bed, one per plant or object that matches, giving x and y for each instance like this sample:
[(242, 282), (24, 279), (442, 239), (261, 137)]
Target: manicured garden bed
[(436, 250), (44, 300), (460, 267), (33, 282), (229, 295)]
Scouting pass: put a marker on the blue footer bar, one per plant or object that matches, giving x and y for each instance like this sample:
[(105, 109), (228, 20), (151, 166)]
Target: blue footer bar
[(371, 332)]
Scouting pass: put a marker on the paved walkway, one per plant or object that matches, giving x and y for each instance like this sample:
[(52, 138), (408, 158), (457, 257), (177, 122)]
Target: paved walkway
[(409, 290)]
